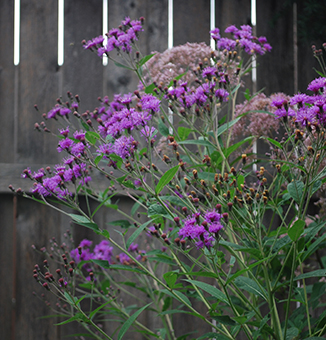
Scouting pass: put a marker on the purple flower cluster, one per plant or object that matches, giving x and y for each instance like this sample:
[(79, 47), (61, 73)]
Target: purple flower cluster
[(187, 97), (102, 251), (206, 232), (121, 38), (56, 182), (302, 108), (118, 118), (243, 39)]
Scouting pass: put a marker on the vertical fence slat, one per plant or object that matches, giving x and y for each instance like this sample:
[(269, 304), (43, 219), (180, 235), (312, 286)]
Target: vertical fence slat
[(37, 79), (7, 76), (82, 70), (7, 306), (275, 70), (232, 12), (35, 225), (191, 21)]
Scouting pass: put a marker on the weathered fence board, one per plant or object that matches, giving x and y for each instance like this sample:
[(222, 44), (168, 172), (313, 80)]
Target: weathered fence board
[(37, 78), (7, 80)]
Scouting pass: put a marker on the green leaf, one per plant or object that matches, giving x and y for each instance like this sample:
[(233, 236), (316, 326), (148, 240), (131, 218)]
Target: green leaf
[(92, 137), (181, 297), (150, 89), (180, 311), (207, 176), (198, 142), (85, 222), (102, 263), (130, 321), (163, 129), (212, 335), (77, 317), (203, 274), (250, 286), (223, 319), (314, 273), (322, 75), (170, 278), (183, 132), (316, 186), (127, 268), (158, 210), (272, 141), (98, 159), (98, 309), (134, 208), (240, 272), (295, 189), (85, 126), (175, 200), (296, 230), (143, 60), (138, 231), (210, 289), (125, 224), (226, 126), (234, 147), (122, 66), (166, 179)]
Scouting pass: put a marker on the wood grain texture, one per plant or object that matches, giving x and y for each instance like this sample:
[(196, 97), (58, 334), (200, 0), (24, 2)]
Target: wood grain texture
[(191, 21), (37, 79), (82, 71), (275, 70), (7, 302), (7, 81)]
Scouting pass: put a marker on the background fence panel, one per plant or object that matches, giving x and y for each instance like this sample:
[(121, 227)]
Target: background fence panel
[(39, 80)]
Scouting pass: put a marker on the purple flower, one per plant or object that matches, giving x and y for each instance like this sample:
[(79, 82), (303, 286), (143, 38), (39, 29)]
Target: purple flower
[(225, 43), (51, 183), (133, 247), (148, 132), (136, 25), (78, 149), (85, 180), (124, 258), (149, 102), (300, 99), (65, 144), (103, 251), (124, 146), (222, 94), (80, 135), (212, 216), (64, 132), (215, 34), (209, 72), (68, 175), (215, 227), (54, 111), (96, 42), (231, 29), (317, 84), (64, 111), (279, 101)]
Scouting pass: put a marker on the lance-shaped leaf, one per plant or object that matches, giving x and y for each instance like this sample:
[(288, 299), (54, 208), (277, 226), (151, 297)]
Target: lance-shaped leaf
[(166, 179), (130, 321)]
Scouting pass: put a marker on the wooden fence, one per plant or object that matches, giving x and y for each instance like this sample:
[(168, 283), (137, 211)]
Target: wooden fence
[(38, 79)]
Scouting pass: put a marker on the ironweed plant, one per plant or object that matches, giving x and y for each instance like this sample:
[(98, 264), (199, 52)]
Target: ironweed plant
[(239, 241)]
